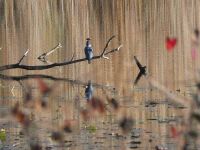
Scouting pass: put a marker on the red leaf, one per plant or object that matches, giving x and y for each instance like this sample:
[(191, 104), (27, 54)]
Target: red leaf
[(170, 43)]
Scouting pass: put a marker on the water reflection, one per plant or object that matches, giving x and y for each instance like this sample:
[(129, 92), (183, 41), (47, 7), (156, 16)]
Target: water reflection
[(89, 91)]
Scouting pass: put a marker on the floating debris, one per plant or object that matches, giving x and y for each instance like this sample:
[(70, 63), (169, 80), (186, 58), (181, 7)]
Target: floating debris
[(126, 124), (133, 147), (57, 136), (196, 115), (193, 134), (151, 104), (113, 102), (135, 142), (20, 116), (67, 127), (35, 146), (135, 133)]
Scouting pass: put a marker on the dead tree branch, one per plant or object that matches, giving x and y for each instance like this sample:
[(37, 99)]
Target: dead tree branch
[(43, 67), (43, 57), (25, 54)]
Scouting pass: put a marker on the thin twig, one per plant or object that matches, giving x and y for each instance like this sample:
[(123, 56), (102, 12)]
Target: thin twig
[(113, 50), (108, 42), (44, 55), (73, 56), (12, 90), (25, 54)]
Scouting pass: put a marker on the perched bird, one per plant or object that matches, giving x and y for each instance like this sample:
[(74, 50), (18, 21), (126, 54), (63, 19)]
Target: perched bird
[(89, 91), (88, 50), (142, 70)]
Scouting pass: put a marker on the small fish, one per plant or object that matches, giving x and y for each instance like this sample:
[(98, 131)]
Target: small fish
[(170, 43)]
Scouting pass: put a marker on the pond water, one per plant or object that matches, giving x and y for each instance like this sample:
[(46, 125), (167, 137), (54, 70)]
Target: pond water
[(141, 27)]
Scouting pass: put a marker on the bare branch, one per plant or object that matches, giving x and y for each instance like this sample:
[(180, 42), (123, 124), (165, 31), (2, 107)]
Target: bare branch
[(43, 67), (113, 50), (12, 91), (44, 55), (73, 56), (25, 54), (108, 42)]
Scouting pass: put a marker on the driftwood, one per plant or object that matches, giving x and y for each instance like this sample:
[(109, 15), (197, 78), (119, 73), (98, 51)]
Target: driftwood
[(71, 61)]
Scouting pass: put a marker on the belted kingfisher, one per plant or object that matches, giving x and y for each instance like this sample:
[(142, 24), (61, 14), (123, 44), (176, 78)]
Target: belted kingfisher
[(89, 91), (88, 50), (142, 70)]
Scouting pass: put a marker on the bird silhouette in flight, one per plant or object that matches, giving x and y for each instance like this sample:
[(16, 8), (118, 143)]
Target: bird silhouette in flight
[(142, 70), (88, 50), (89, 91)]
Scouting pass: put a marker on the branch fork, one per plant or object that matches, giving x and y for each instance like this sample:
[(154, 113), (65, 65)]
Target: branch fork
[(43, 58)]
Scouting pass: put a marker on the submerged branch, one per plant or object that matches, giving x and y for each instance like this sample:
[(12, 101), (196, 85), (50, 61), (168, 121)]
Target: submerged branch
[(41, 76)]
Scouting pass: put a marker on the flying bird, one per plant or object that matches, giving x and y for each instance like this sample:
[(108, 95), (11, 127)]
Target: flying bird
[(89, 91), (142, 70), (88, 50)]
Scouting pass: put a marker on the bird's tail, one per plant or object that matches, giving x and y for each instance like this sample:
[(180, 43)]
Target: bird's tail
[(89, 61)]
